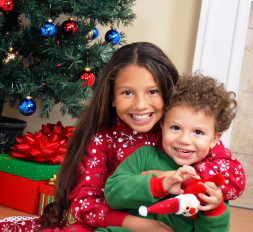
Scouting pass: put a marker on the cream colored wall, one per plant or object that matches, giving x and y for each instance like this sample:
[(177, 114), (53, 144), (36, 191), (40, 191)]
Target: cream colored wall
[(170, 24), (241, 144)]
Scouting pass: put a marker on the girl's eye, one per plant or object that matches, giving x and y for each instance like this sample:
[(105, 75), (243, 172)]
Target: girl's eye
[(153, 91), (175, 128), (198, 132), (127, 93)]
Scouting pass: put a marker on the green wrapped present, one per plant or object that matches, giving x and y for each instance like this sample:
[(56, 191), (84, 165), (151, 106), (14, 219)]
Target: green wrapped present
[(26, 168)]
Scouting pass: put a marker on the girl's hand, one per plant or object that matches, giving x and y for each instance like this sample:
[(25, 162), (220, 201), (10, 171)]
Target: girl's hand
[(172, 184), (137, 224), (214, 198), (159, 173)]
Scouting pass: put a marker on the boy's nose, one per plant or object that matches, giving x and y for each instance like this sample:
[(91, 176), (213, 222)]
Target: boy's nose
[(184, 138)]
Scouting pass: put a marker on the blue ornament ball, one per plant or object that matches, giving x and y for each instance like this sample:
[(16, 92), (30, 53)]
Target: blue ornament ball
[(112, 36), (27, 107), (93, 34), (48, 30)]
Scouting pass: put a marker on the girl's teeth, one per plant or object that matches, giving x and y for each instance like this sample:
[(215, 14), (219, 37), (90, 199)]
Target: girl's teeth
[(141, 117), (183, 151)]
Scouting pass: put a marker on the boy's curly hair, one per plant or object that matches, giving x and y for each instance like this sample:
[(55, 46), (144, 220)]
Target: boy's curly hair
[(203, 93)]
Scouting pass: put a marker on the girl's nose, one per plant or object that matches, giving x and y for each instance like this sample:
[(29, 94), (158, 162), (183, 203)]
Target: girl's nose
[(140, 103)]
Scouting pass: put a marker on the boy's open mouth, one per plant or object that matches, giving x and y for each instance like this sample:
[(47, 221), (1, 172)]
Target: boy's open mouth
[(184, 151)]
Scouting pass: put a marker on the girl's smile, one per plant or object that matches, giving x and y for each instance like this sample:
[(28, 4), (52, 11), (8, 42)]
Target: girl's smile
[(137, 98)]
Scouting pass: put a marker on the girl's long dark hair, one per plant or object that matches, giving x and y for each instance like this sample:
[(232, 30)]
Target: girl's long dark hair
[(101, 114)]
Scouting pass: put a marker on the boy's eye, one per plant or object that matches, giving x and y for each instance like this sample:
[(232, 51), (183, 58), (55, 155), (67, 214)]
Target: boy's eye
[(198, 132), (175, 128), (153, 91), (127, 93)]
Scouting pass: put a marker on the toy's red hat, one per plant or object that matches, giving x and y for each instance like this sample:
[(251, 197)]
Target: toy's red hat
[(172, 205)]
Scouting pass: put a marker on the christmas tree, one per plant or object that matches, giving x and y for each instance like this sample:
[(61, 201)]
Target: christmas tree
[(46, 60)]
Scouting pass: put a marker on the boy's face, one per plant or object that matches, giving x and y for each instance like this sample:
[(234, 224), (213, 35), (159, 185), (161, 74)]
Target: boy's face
[(187, 136)]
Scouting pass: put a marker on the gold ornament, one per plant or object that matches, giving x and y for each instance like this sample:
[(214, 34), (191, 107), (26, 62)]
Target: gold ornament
[(52, 180), (9, 56)]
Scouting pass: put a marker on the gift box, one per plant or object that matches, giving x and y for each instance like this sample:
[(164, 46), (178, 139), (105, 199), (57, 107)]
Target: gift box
[(20, 181), (19, 193), (27, 169), (47, 196)]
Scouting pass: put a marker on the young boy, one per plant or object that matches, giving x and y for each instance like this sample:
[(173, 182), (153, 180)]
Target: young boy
[(200, 110)]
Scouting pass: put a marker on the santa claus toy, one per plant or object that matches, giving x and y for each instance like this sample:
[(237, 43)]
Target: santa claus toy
[(186, 203)]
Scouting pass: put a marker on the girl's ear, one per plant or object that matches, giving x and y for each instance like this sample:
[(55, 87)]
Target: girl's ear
[(215, 139), (113, 103), (161, 124)]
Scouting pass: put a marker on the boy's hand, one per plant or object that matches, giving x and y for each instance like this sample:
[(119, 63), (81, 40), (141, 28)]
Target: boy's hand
[(214, 198), (172, 184)]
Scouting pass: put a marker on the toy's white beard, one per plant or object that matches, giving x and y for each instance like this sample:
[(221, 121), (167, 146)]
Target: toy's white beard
[(187, 204)]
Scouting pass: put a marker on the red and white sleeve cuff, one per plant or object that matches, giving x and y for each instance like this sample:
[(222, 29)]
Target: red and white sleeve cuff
[(156, 187), (218, 210)]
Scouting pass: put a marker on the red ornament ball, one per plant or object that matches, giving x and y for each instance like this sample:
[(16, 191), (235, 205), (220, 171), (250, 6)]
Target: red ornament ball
[(88, 77), (6, 5), (69, 27)]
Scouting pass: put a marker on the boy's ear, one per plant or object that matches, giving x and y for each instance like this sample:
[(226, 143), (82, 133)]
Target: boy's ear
[(215, 139)]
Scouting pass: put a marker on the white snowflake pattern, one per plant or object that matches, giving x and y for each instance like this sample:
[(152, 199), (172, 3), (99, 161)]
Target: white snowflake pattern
[(84, 203), (35, 226), (227, 152), (15, 226), (76, 210), (129, 138), (213, 172), (110, 140), (97, 139), (91, 217), (93, 162), (202, 167), (5, 228), (102, 215), (224, 165), (240, 175), (120, 154), (231, 193)]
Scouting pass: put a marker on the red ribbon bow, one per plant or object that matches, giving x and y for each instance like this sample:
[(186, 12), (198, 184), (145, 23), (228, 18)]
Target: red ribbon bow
[(45, 146)]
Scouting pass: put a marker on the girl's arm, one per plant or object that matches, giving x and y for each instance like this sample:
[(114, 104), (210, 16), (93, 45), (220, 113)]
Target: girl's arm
[(221, 161), (137, 224), (87, 200)]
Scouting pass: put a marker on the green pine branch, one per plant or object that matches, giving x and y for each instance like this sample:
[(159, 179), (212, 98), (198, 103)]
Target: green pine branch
[(48, 70)]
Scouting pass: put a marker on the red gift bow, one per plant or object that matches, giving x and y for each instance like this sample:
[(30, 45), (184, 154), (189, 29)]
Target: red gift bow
[(45, 146)]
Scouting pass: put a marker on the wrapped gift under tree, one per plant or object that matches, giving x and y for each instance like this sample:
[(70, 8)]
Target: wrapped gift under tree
[(20, 181), (33, 160), (46, 197)]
